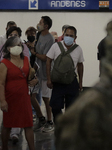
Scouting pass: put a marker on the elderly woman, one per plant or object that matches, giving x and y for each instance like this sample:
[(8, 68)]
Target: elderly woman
[(15, 31), (14, 97)]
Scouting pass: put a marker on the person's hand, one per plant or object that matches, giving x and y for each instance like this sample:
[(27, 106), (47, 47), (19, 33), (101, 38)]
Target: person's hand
[(80, 87), (49, 84), (33, 82), (4, 106), (33, 52)]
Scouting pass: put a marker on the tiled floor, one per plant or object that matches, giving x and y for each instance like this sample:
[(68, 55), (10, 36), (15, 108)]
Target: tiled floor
[(43, 141)]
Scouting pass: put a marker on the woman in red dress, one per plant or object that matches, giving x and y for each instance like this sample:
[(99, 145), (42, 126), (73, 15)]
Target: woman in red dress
[(14, 95)]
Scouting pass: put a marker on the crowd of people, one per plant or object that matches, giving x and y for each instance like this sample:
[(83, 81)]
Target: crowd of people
[(50, 68), (38, 50)]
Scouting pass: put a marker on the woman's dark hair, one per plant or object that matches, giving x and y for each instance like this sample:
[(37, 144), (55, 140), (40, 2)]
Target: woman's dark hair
[(30, 29), (11, 42), (72, 28), (11, 23), (48, 21), (13, 28)]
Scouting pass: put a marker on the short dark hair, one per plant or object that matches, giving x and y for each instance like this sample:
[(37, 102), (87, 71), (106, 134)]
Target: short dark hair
[(72, 28), (64, 27), (47, 20), (30, 29), (13, 28), (10, 23)]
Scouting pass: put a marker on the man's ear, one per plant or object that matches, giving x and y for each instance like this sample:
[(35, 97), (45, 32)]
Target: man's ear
[(75, 37), (46, 26)]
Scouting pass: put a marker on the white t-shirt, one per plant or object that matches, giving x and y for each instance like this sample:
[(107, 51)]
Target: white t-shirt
[(77, 54), (2, 39)]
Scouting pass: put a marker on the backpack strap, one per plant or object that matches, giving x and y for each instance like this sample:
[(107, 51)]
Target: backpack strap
[(69, 50), (61, 47)]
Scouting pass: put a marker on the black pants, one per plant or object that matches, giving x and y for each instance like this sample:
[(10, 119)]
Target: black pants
[(63, 95)]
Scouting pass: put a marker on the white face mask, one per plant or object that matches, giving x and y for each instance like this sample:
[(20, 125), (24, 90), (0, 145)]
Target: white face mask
[(16, 50), (40, 27)]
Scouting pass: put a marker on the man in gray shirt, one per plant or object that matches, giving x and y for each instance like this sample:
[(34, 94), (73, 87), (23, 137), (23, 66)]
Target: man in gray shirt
[(43, 45)]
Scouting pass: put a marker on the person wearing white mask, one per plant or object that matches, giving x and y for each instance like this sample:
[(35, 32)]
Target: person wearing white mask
[(65, 93), (14, 99), (14, 31), (43, 45)]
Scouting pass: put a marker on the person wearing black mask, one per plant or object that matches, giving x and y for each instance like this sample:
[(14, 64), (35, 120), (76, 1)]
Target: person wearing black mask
[(31, 38)]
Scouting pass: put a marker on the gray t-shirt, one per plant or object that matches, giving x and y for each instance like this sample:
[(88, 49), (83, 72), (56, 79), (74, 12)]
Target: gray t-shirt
[(43, 45)]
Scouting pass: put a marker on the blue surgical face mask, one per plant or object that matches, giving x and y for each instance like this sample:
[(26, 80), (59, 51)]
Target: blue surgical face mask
[(68, 40)]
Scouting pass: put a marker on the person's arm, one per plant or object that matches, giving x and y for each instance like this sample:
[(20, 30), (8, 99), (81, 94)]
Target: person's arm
[(34, 81), (48, 67), (26, 51), (43, 56), (99, 57), (101, 52), (40, 56), (80, 74), (3, 73), (32, 50)]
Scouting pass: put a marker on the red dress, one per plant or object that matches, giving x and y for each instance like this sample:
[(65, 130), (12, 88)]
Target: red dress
[(16, 93)]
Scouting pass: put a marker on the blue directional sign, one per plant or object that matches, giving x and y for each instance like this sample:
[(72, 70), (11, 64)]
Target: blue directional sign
[(33, 4), (56, 5)]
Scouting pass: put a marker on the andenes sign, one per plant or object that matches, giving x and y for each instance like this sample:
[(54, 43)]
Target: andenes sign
[(74, 4), (68, 3)]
